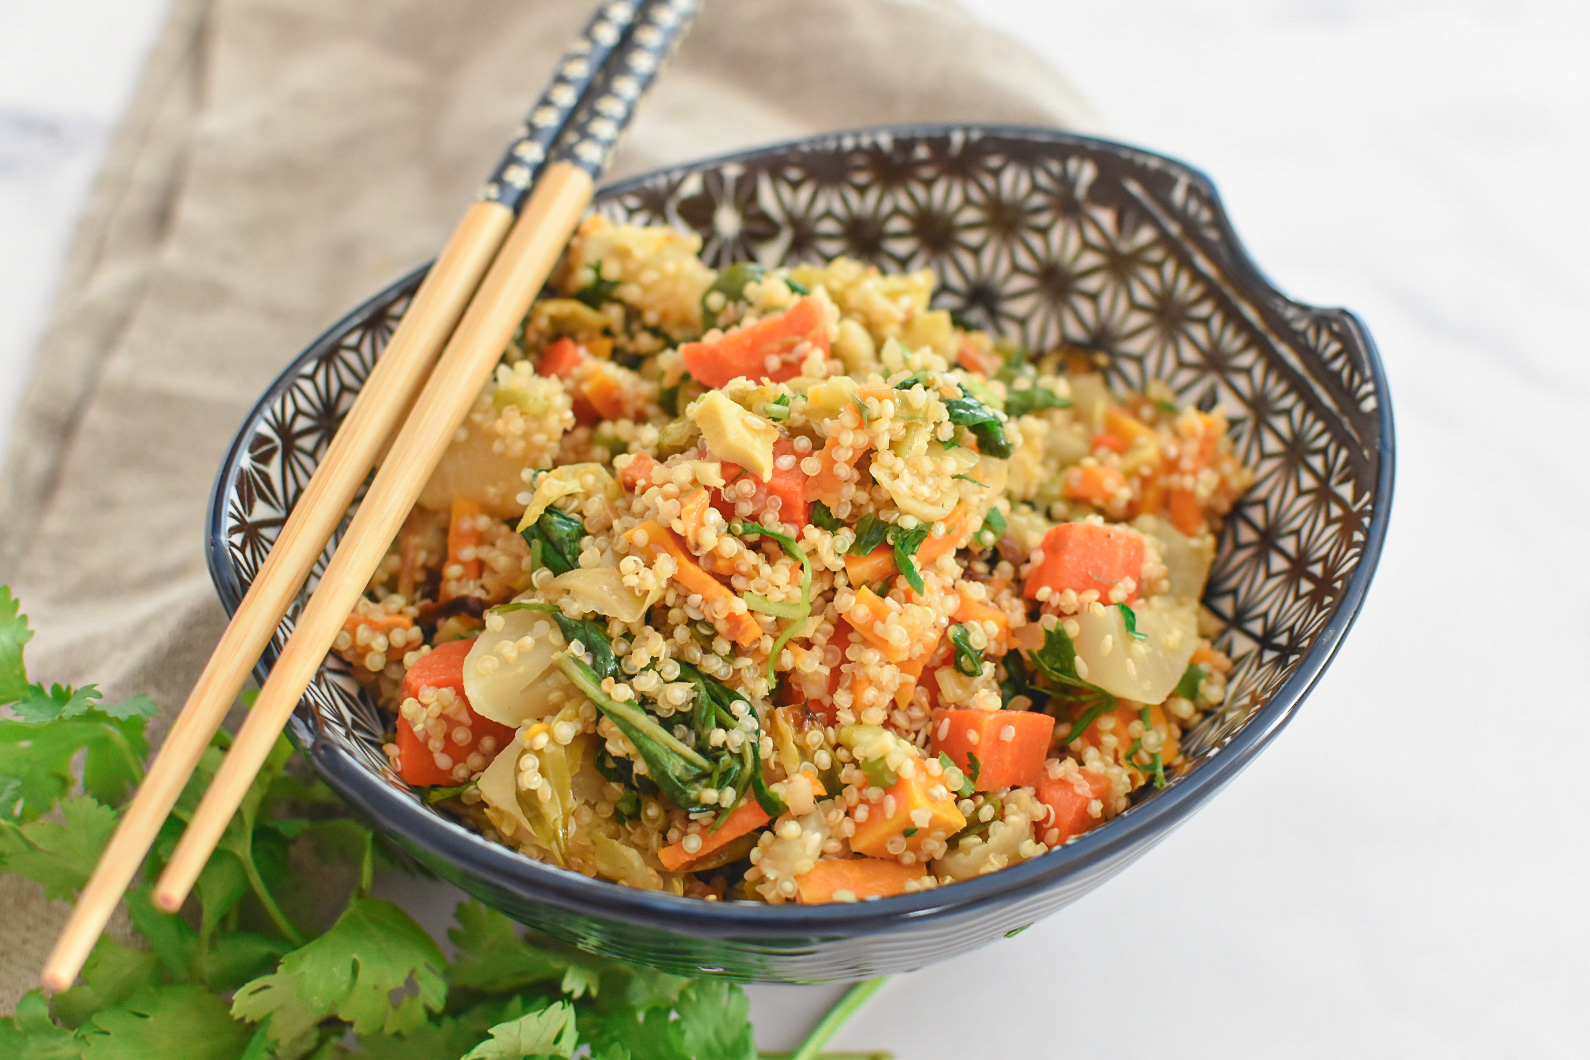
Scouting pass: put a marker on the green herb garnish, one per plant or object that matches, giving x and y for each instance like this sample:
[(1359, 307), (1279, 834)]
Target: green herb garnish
[(870, 533), (1032, 399), (993, 528), (559, 535), (976, 765), (824, 519), (599, 291), (967, 788), (799, 613), (968, 660), (984, 423), (777, 409), (1129, 617), (1191, 680), (243, 974), (906, 543)]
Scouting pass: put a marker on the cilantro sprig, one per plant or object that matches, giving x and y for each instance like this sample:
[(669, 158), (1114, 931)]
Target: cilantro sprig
[(244, 975)]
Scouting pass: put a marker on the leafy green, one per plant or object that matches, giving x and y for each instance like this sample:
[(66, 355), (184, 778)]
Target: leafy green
[(967, 788), (599, 291), (974, 765), (968, 660), (1129, 617), (158, 1023), (993, 528), (60, 855), (1086, 719), (374, 985), (351, 972), (824, 519), (986, 425), (870, 533), (730, 283), (906, 543), (546, 1032), (1033, 399), (1191, 680), (555, 540), (592, 637)]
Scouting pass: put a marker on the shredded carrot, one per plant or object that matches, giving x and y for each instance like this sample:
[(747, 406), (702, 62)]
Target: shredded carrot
[(463, 533), (855, 878)]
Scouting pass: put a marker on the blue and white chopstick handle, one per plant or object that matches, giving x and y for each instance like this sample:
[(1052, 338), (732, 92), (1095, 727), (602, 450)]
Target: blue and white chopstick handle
[(582, 63), (594, 130)]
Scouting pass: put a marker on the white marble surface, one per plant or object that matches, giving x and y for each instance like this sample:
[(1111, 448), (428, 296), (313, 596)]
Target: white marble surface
[(1383, 882)]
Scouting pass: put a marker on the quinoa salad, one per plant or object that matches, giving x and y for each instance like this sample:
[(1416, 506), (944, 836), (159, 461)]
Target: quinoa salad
[(780, 585)]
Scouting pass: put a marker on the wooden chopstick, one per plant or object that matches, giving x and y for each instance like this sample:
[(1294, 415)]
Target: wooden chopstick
[(512, 283), (390, 388)]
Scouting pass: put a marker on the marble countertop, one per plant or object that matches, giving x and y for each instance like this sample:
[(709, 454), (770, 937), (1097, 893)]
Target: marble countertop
[(1381, 883)]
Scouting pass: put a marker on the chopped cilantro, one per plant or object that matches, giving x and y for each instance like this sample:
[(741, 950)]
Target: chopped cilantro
[(968, 660), (1033, 399), (984, 423), (968, 478), (906, 543), (976, 766), (993, 528), (599, 291), (824, 519), (1191, 680), (1129, 617), (870, 533), (909, 832), (967, 788)]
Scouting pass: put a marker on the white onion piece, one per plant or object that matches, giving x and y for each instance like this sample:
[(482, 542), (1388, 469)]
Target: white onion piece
[(1143, 670)]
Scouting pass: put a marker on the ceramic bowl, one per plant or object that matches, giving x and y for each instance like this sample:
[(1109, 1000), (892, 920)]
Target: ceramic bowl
[(1037, 235)]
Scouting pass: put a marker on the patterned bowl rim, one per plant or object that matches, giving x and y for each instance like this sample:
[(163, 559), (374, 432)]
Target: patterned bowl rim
[(1143, 825)]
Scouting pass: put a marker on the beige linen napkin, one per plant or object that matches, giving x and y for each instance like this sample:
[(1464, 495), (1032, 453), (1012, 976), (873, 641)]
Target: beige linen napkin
[(282, 160)]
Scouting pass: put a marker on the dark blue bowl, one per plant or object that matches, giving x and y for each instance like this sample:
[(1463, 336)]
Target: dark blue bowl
[(1035, 234)]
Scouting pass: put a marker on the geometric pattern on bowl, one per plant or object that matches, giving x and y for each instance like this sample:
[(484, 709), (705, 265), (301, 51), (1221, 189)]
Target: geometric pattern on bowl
[(1041, 237)]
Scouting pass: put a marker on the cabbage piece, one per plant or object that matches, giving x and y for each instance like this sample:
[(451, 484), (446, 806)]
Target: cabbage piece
[(544, 785), (602, 589), (520, 684), (499, 789), (569, 480), (1144, 668)]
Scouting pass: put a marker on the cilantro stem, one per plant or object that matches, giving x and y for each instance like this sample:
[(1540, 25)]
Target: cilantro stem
[(848, 1005)]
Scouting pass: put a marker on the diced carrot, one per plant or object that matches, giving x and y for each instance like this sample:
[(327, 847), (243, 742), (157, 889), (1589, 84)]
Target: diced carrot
[(747, 351), (693, 512), (827, 485), (637, 474), (870, 568), (1083, 556), (718, 600), (908, 796), (443, 667), (604, 388), (1106, 440), (1125, 426), (1071, 797), (788, 484), (1186, 514), (981, 611), (911, 671), (869, 612), (747, 817), (463, 537), (1150, 491), (855, 878), (958, 530), (561, 359), (1001, 762), (1098, 484)]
